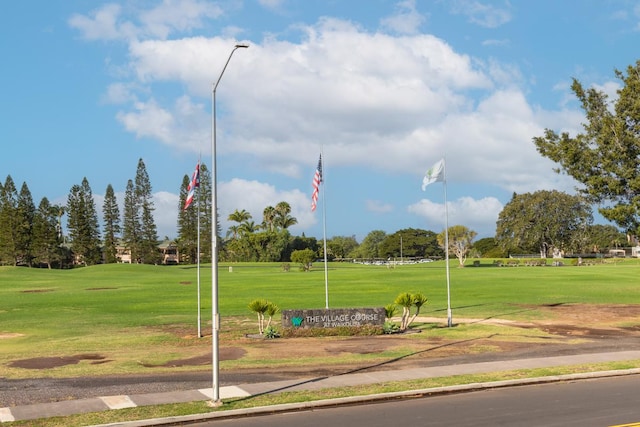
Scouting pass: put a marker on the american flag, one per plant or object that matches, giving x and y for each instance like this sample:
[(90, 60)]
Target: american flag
[(191, 189), (317, 179)]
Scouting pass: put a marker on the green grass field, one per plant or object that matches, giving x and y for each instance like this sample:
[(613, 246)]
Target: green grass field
[(127, 313)]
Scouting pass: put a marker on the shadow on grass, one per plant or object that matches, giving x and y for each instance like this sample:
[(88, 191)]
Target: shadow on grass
[(362, 369)]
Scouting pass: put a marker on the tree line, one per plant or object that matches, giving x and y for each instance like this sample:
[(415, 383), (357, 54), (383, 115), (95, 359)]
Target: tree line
[(33, 236), (536, 222)]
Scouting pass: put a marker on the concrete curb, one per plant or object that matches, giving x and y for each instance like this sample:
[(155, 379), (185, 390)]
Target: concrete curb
[(291, 407)]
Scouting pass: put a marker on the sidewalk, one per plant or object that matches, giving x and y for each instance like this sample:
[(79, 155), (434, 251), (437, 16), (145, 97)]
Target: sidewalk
[(98, 404)]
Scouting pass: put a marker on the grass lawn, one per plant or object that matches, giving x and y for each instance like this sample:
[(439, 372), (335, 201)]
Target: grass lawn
[(136, 315)]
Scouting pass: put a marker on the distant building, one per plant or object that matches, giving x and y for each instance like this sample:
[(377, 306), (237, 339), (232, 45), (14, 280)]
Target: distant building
[(168, 250)]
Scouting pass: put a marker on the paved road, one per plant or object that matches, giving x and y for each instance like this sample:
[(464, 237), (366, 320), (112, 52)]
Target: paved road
[(584, 403)]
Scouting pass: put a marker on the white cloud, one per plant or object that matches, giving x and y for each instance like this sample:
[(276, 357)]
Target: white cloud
[(103, 24), (108, 22), (406, 20), (483, 14), (478, 215), (177, 16), (390, 103), (119, 93), (378, 206), (183, 127), (271, 4)]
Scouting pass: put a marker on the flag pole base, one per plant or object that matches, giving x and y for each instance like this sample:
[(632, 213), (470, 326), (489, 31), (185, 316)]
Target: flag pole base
[(214, 403)]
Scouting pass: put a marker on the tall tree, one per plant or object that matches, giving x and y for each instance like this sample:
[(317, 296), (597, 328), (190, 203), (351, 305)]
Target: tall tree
[(82, 223), (46, 238), (148, 232), (131, 222), (204, 209), (543, 221), (8, 208), (25, 214), (239, 216), (283, 218), (269, 218), (605, 158), (111, 220), (188, 223)]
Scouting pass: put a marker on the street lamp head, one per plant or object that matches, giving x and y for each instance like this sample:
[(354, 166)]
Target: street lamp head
[(245, 45)]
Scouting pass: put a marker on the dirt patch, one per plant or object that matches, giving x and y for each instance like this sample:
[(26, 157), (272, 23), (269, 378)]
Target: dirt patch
[(591, 315), (590, 327), (5, 335), (225, 353), (363, 345), (55, 362)]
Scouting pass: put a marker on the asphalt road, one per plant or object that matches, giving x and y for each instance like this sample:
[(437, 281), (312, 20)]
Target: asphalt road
[(584, 403)]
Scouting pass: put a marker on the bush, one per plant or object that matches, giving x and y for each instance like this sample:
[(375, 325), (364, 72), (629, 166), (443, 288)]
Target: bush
[(271, 333), (390, 328), (342, 331)]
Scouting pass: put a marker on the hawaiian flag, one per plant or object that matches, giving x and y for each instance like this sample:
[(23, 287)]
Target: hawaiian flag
[(191, 189), (317, 179)]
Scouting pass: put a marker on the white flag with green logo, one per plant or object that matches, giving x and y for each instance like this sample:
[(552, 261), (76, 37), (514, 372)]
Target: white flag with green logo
[(434, 174)]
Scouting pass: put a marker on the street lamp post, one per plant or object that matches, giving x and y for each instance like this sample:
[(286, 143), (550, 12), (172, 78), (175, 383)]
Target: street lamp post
[(215, 316)]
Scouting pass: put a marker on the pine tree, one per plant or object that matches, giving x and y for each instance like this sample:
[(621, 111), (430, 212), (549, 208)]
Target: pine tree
[(46, 237), (131, 223), (111, 219), (8, 207), (188, 224), (25, 213), (204, 207), (82, 222), (148, 232)]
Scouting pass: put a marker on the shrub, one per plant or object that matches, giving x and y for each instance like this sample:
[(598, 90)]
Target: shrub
[(390, 328), (364, 330), (271, 332)]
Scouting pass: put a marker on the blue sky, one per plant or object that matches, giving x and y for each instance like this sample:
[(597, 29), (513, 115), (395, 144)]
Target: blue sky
[(383, 88)]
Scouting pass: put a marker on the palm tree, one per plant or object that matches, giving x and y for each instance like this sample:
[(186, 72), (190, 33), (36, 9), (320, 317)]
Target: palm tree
[(269, 215), (239, 216), (233, 231), (288, 221), (248, 227), (283, 218)]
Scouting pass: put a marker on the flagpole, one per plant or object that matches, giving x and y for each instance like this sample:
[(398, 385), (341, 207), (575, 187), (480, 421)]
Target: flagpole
[(324, 238), (198, 256), (446, 243)]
